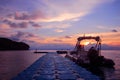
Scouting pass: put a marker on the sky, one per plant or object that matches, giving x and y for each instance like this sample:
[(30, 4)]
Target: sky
[(56, 24)]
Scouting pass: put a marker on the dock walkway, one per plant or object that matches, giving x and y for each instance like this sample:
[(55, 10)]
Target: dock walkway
[(54, 67)]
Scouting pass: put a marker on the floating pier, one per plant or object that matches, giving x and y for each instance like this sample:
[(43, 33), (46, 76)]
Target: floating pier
[(55, 67)]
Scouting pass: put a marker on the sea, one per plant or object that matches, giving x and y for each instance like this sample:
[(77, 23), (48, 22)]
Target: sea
[(14, 62)]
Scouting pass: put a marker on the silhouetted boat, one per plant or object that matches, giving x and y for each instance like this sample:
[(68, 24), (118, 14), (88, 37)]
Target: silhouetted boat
[(92, 57), (61, 52), (40, 52)]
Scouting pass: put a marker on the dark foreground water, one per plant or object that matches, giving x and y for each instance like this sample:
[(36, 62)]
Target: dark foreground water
[(13, 62)]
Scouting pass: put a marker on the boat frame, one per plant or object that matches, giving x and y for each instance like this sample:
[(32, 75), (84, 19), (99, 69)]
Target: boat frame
[(92, 56)]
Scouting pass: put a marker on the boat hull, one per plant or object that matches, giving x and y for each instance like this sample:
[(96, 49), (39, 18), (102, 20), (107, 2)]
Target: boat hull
[(99, 61)]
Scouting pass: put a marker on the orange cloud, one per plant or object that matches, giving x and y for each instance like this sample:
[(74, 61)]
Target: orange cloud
[(59, 30), (5, 30), (4, 26), (109, 38)]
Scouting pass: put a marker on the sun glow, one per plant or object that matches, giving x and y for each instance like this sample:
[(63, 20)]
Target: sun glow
[(86, 43)]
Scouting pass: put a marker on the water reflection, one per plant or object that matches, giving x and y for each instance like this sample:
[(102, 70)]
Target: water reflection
[(108, 72), (13, 62)]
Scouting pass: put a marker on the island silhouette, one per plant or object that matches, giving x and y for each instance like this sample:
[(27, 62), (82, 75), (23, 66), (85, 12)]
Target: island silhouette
[(7, 44)]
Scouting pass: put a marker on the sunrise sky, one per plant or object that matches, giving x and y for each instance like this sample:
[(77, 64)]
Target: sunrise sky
[(52, 24)]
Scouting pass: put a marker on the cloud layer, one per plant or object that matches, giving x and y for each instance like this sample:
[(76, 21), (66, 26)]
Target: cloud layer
[(47, 22)]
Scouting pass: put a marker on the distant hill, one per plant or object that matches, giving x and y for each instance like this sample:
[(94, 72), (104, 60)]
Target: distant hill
[(7, 44)]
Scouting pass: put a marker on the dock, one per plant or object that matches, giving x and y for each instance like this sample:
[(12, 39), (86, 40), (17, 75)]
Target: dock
[(55, 67)]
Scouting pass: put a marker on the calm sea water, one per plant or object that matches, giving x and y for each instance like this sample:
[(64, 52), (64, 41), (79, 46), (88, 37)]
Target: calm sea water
[(112, 74), (13, 62)]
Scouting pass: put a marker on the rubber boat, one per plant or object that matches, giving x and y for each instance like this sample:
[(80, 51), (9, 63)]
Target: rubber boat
[(92, 57)]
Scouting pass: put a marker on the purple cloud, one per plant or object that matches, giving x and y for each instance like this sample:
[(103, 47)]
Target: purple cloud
[(17, 36), (19, 25), (28, 16), (67, 36), (30, 35), (16, 25), (114, 30), (35, 24), (21, 36)]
